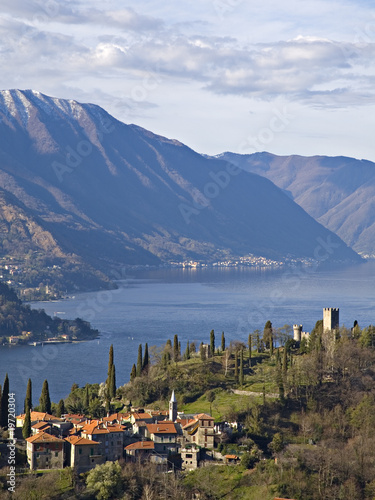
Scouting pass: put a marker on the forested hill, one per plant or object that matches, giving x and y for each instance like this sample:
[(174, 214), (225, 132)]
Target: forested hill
[(24, 324)]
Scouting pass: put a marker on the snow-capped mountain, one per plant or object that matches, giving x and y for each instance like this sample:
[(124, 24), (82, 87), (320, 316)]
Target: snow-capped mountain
[(107, 194)]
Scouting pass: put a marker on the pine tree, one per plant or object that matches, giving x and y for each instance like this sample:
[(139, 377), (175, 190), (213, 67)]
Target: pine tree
[(26, 428), (241, 367), (212, 343), (28, 398), (44, 400), (4, 403), (222, 342), (175, 348), (139, 361), (133, 373), (60, 408), (146, 359)]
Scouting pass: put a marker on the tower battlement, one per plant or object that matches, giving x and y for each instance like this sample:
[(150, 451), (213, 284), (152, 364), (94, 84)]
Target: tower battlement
[(330, 318)]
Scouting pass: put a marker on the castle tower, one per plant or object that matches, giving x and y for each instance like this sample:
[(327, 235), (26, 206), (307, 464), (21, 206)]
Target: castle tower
[(330, 319), (297, 332), (173, 408)]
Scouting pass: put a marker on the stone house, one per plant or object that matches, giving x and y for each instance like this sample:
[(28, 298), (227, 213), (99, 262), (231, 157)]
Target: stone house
[(200, 430), (45, 451), (82, 454)]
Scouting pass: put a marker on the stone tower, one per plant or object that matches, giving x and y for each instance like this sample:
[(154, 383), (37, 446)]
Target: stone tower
[(330, 319), (173, 408), (297, 332)]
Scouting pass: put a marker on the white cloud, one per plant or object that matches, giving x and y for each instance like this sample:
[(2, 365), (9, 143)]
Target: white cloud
[(318, 55)]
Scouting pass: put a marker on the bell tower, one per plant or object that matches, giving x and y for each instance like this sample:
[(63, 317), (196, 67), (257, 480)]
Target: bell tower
[(173, 408)]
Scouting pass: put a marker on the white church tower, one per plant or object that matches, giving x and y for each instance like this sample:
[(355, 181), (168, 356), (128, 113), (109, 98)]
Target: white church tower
[(173, 408)]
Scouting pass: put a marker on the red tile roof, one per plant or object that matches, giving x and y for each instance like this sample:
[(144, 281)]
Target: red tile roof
[(40, 425), (77, 440), (44, 437), (38, 415), (203, 416), (162, 428), (141, 416), (141, 445)]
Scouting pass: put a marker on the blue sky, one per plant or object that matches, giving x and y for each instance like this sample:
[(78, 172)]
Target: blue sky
[(294, 77)]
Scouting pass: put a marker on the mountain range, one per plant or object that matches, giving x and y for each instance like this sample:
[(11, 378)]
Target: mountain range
[(83, 194), (339, 192)]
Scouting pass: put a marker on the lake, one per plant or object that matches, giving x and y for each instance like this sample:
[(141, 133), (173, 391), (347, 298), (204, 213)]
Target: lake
[(152, 306)]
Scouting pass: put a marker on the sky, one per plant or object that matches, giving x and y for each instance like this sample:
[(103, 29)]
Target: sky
[(292, 77)]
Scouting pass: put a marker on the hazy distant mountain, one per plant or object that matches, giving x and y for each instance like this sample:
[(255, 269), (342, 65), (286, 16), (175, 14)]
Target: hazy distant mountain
[(338, 192), (88, 189)]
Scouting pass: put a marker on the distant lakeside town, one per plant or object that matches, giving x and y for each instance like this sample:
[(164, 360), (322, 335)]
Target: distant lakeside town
[(17, 274)]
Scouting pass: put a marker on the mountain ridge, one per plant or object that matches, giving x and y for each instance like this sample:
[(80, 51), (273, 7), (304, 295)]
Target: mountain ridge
[(111, 194), (339, 192)]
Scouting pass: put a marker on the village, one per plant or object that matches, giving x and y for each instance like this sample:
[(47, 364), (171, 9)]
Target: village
[(170, 439)]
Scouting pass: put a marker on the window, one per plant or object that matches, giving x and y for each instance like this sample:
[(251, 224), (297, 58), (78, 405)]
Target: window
[(91, 451), (56, 453), (189, 455), (80, 451)]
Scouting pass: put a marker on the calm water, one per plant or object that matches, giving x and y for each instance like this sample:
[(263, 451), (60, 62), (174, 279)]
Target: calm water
[(153, 306)]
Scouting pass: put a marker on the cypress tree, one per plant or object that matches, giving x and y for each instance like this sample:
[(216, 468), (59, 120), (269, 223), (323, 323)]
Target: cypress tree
[(168, 351), (44, 400), (241, 367), (187, 351), (257, 341), (202, 352), (222, 341), (60, 408), (250, 346), (28, 398), (268, 336), (110, 361), (26, 428), (285, 360), (87, 397), (212, 343), (111, 379), (112, 383), (175, 348), (139, 361), (146, 359), (236, 366), (133, 373), (4, 403)]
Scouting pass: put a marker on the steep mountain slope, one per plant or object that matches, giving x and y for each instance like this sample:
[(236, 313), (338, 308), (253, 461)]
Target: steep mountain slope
[(110, 194), (338, 192)]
